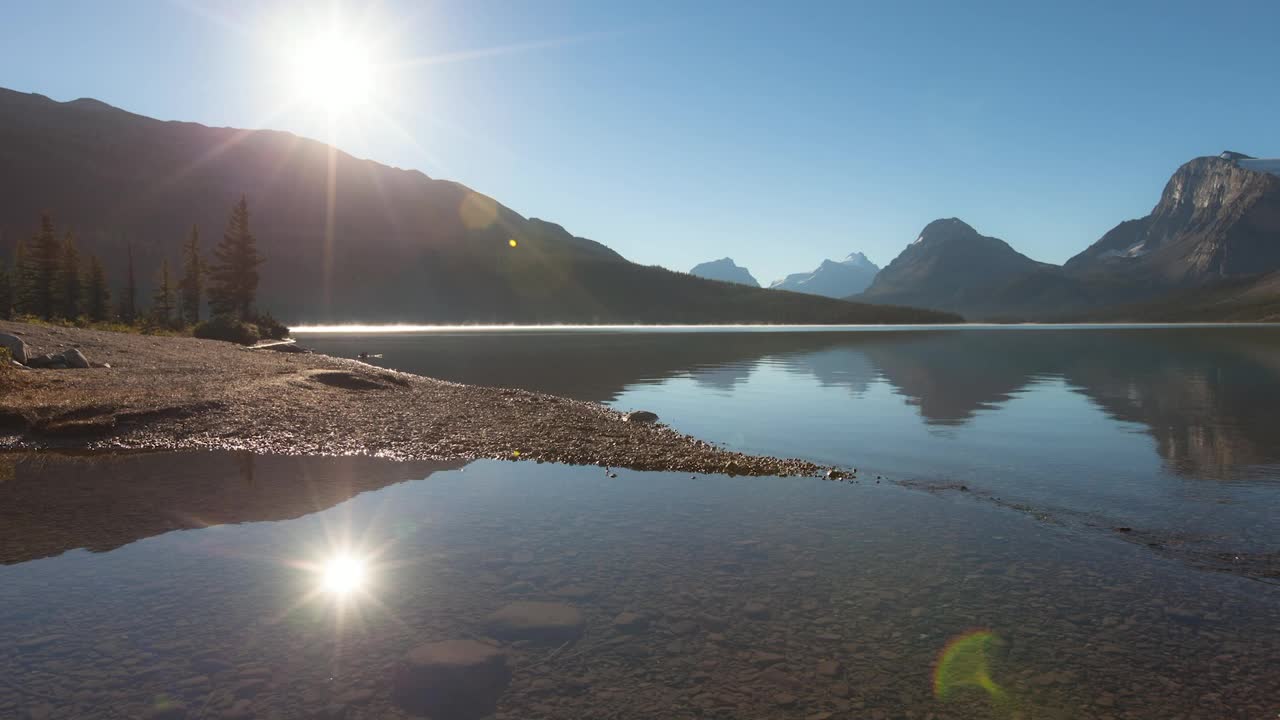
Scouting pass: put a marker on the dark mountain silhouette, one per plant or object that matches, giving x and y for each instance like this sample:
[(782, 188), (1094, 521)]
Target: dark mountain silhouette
[(833, 279), (344, 239), (724, 270), (951, 265)]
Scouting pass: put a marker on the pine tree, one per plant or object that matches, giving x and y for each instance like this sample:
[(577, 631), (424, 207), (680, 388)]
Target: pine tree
[(191, 287), (70, 290), (6, 293), (20, 279), (162, 298), (97, 295), (128, 311), (234, 273), (40, 272)]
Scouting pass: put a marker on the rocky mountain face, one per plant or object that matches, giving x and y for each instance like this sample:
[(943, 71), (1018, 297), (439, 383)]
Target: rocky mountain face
[(724, 270), (1216, 219), (951, 265), (833, 279), (1210, 249), (377, 244)]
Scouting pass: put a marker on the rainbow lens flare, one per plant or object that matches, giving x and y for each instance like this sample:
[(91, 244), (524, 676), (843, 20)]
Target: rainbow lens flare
[(965, 662)]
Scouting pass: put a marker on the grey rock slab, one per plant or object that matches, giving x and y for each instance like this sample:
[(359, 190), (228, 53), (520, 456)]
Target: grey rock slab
[(15, 346), (451, 680), (536, 622)]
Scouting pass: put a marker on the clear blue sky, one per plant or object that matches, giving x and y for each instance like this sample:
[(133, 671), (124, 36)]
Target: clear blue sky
[(778, 134)]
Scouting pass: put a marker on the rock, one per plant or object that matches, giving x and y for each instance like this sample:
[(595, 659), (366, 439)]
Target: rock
[(756, 610), (249, 688), (536, 621), (167, 711), (74, 358), (640, 416), (777, 677), (15, 346), (354, 697), (684, 627), (45, 361), (242, 710), (712, 622), (629, 622), (765, 659), (829, 668), (573, 592), (14, 421), (451, 680), (208, 664), (784, 700)]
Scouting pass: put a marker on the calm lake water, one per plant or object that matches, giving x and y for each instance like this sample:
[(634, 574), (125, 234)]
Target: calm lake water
[(1067, 524)]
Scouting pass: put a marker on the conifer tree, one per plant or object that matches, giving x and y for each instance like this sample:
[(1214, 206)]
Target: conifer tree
[(233, 275), (191, 287), (70, 289), (97, 295), (6, 292), (162, 298), (128, 311), (40, 272), (19, 279)]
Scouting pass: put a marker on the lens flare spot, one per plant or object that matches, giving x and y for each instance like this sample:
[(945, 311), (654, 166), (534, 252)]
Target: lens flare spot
[(965, 662), (343, 574), (512, 242)]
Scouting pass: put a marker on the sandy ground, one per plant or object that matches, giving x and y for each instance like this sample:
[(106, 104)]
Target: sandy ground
[(184, 393)]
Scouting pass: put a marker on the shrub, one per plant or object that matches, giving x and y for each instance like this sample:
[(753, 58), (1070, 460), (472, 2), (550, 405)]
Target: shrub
[(228, 328), (269, 327)]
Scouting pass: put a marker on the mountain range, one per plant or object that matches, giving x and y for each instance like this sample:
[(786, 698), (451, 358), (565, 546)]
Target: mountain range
[(345, 239), (1209, 249), (352, 240), (833, 279), (726, 270)]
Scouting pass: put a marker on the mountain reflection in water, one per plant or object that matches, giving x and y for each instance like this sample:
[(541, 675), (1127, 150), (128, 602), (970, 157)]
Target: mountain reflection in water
[(51, 502), (1203, 394)]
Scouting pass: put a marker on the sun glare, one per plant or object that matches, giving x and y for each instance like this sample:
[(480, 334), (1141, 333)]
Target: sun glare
[(333, 71), (343, 575)]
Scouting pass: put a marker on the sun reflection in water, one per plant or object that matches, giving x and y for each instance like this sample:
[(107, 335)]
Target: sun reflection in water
[(343, 574)]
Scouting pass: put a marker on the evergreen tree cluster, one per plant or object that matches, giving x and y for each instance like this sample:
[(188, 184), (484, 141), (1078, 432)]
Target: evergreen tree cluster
[(49, 279)]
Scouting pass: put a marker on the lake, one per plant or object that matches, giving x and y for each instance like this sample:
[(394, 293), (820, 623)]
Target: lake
[(1047, 523)]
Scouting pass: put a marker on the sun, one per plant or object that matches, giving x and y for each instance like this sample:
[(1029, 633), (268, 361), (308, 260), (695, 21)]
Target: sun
[(333, 71)]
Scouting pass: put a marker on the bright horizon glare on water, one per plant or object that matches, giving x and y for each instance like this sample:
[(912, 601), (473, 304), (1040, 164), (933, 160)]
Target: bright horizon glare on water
[(356, 329)]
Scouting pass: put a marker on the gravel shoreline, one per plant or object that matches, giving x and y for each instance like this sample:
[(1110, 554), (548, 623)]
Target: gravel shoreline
[(184, 393)]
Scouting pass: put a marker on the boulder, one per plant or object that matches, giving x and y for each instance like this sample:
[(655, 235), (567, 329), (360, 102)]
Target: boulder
[(74, 358), (629, 622), (756, 610), (15, 346), (640, 416), (451, 680), (46, 361), (547, 622)]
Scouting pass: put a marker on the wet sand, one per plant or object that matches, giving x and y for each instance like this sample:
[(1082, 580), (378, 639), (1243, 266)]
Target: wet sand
[(185, 393)]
